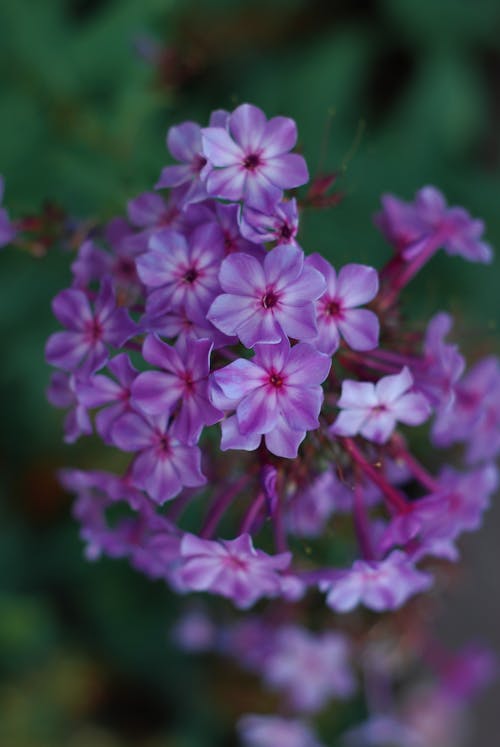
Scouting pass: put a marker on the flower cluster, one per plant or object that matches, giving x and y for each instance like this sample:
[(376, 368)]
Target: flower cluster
[(268, 387)]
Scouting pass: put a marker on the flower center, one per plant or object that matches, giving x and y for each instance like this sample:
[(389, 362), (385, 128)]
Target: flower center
[(285, 232), (276, 380), (252, 161), (198, 163), (191, 275), (269, 300), (94, 331)]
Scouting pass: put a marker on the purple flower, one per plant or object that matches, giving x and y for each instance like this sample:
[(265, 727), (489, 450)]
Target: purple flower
[(410, 227), (7, 229), (278, 393), (101, 390), (337, 314), (251, 159), (163, 466), (437, 375), (280, 226), (373, 409), (183, 275), (85, 346), (474, 416), (379, 585), (184, 143), (232, 568), (183, 380), (61, 393), (309, 669), (264, 301), (225, 218), (381, 731), (275, 731)]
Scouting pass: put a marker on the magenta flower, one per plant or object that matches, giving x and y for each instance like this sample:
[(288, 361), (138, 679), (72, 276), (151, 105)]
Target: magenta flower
[(264, 301), (411, 226), (379, 585), (277, 392), (232, 568), (280, 225), (183, 380), (183, 275), (251, 159), (275, 731), (101, 390), (373, 409), (163, 466), (309, 669), (337, 314), (85, 346)]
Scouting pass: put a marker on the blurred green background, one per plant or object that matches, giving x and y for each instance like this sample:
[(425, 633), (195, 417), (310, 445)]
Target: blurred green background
[(392, 95)]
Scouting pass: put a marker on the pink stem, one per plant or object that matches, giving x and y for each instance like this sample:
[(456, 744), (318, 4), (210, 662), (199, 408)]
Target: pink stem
[(220, 505), (252, 513), (395, 499)]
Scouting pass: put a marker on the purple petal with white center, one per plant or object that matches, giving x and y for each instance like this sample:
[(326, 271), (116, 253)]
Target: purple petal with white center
[(360, 328), (242, 274), (220, 148), (258, 412), (66, 350), (357, 285), (358, 395), (349, 422), (286, 171), (301, 407), (283, 440), (184, 141), (232, 438), (72, 309), (390, 388), (227, 183), (280, 136), (306, 367), (132, 433), (247, 124), (156, 392), (239, 378), (156, 475), (378, 426)]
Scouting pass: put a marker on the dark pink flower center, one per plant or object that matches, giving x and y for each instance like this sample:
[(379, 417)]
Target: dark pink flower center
[(276, 380), (163, 444), (190, 275), (252, 161), (285, 232), (333, 308), (269, 300), (198, 163), (93, 331)]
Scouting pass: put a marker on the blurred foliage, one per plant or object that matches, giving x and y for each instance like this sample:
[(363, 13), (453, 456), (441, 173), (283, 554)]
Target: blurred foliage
[(391, 95)]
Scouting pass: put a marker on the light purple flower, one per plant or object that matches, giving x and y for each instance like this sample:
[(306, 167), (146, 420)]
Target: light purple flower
[(379, 585), (101, 390), (7, 229), (251, 160), (411, 226), (85, 346), (280, 225), (277, 394), (383, 731), (309, 669), (373, 409), (275, 731), (264, 301), (474, 416), (437, 375), (184, 143), (164, 465), (337, 314), (183, 380), (183, 275), (232, 568), (61, 393)]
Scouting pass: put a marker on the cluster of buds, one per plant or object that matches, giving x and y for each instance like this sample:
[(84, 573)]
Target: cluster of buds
[(261, 392)]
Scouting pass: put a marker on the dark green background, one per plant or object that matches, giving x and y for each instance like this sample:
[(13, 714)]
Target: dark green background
[(392, 95)]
